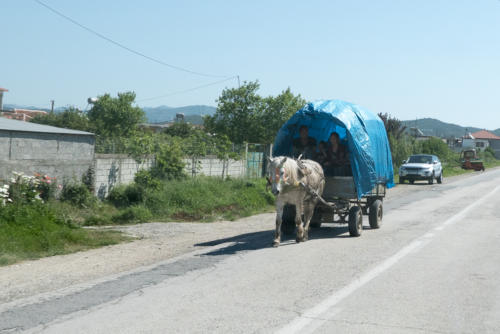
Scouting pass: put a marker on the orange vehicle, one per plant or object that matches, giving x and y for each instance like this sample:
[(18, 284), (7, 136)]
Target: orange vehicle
[(470, 160)]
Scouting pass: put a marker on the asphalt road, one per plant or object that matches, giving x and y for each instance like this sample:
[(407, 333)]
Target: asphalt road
[(433, 267)]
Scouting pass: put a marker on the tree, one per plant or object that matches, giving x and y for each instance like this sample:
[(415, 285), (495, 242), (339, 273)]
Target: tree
[(277, 111), (181, 129), (71, 118), (237, 115), (244, 116), (115, 116), (392, 125)]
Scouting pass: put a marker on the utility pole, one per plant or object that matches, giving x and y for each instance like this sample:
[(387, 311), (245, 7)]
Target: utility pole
[(238, 81), (51, 106)]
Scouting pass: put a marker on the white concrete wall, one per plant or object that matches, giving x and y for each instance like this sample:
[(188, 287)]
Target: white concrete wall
[(211, 166), (115, 169)]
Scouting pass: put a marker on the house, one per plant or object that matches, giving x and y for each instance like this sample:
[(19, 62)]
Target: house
[(34, 148), (484, 139), (22, 114)]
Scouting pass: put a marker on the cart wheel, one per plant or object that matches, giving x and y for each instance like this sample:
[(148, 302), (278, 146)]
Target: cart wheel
[(355, 221), (288, 220), (316, 219), (376, 214)]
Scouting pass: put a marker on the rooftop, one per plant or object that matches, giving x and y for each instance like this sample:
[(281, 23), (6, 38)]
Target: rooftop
[(14, 125), (483, 134)]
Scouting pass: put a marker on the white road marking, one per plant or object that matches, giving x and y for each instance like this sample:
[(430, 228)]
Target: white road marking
[(318, 315)]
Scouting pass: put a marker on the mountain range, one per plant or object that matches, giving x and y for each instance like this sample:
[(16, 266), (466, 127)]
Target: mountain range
[(435, 127)]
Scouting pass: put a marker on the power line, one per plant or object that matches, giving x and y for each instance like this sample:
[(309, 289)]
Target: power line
[(126, 47), (187, 90)]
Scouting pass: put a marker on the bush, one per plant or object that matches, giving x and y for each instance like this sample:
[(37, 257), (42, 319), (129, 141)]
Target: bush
[(169, 161), (126, 195), (145, 179), (77, 194), (134, 215)]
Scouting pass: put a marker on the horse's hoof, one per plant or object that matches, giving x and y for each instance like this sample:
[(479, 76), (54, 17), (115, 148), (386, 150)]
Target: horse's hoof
[(276, 244), (297, 240)]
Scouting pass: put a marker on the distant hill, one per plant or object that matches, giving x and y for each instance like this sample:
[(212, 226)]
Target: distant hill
[(435, 127), (497, 132), (193, 114), (7, 106)]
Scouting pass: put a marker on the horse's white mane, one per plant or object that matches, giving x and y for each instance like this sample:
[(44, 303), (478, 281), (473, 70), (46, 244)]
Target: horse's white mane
[(291, 171)]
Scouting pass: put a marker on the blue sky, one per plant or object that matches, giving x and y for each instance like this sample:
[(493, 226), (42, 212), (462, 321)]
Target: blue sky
[(411, 59)]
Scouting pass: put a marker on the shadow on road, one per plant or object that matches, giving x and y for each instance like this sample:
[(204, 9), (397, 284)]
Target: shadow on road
[(263, 239)]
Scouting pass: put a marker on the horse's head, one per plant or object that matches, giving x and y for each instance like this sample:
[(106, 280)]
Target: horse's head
[(277, 174)]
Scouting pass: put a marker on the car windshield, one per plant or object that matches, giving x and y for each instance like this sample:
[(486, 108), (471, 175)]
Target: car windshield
[(422, 159)]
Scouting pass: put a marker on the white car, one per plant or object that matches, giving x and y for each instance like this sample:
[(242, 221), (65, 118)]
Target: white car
[(421, 167)]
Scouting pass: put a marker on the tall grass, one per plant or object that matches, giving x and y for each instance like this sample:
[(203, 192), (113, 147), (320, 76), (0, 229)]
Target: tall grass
[(201, 198)]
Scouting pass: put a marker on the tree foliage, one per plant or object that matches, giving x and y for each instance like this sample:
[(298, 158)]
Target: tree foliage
[(237, 114), (245, 116), (71, 118), (115, 116), (392, 125)]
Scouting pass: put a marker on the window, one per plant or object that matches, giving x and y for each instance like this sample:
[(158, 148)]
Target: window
[(479, 144)]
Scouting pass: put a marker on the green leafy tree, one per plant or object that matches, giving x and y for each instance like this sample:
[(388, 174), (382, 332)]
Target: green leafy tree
[(71, 118), (392, 125), (115, 116), (180, 129), (169, 162), (238, 114), (277, 111)]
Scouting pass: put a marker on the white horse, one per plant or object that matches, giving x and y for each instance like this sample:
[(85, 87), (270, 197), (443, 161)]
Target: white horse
[(294, 182)]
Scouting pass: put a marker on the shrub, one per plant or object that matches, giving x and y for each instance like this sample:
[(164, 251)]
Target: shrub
[(125, 195), (47, 186), (23, 189), (77, 194), (169, 161), (133, 215), (145, 179)]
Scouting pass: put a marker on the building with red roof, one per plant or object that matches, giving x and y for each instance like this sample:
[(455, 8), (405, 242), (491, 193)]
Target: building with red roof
[(484, 139)]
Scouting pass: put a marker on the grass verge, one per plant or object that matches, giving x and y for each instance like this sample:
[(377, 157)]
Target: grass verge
[(32, 231), (193, 199)]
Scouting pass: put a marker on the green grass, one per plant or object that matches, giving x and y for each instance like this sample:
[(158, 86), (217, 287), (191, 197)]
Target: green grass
[(36, 230), (204, 199)]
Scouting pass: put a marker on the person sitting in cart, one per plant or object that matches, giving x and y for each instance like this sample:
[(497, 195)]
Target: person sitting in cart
[(304, 145), (337, 158)]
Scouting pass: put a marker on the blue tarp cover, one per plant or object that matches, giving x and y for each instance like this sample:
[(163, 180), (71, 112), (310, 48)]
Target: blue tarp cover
[(362, 131)]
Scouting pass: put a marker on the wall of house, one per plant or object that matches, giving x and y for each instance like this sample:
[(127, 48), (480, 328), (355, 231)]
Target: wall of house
[(481, 144), (114, 169), (495, 145), (57, 155)]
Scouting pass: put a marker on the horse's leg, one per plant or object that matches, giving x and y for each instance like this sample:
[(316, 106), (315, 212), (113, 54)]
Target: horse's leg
[(308, 213), (279, 219), (298, 221)]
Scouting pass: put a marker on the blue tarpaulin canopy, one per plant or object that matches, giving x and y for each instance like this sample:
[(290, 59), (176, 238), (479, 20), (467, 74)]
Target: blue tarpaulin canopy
[(362, 131)]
